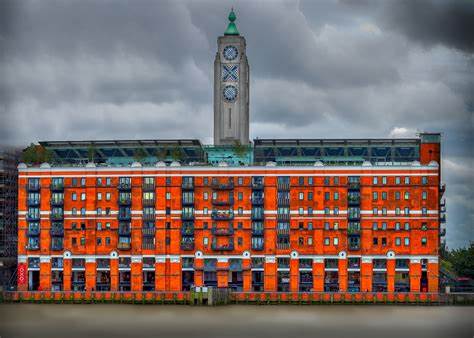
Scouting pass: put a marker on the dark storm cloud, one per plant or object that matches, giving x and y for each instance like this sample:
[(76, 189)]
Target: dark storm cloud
[(143, 69), (448, 23)]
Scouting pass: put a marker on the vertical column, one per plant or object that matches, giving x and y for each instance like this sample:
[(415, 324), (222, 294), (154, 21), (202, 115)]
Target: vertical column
[(114, 274), (366, 275), (45, 273), (67, 274), (294, 273), (175, 273), (342, 273), (222, 272), (433, 275), (22, 275), (247, 274), (160, 274), (198, 272), (90, 273), (415, 275), (136, 274), (390, 275), (318, 274), (270, 274)]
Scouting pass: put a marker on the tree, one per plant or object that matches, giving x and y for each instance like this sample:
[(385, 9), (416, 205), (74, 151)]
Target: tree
[(36, 154), (176, 154), (91, 153), (240, 149), (462, 261)]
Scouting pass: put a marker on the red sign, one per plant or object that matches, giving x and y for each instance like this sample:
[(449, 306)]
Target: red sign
[(22, 274)]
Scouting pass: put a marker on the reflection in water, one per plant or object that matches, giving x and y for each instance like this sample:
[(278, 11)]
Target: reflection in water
[(122, 320)]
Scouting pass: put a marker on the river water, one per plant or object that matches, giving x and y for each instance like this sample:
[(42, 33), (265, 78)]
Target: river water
[(269, 321)]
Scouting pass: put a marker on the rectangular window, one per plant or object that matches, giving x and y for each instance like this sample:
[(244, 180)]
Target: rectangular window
[(74, 196), (407, 211), (107, 196), (108, 181), (240, 180), (375, 241), (301, 211), (424, 211), (336, 241), (375, 211), (384, 195), (397, 180), (327, 196), (424, 180), (336, 225), (398, 241), (310, 196), (326, 225), (424, 241), (301, 196), (168, 195), (336, 211), (240, 196), (83, 196), (301, 180), (205, 196), (336, 180), (424, 195), (384, 179), (397, 195), (397, 211), (310, 240), (99, 196), (407, 241), (310, 180), (407, 195), (326, 241), (374, 226), (336, 196), (375, 180), (397, 226), (375, 195), (205, 241), (83, 181), (407, 179), (407, 226)]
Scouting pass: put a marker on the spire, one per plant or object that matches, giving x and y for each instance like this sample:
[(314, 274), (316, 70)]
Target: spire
[(231, 28)]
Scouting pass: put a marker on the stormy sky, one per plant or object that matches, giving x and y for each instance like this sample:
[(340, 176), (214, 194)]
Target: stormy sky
[(143, 69)]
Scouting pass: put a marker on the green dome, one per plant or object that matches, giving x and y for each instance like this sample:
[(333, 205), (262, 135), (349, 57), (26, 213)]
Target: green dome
[(231, 28)]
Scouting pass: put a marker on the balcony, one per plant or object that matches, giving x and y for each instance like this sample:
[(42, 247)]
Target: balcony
[(257, 200), (257, 216), (223, 186), (222, 215), (283, 202), (353, 186), (148, 217), (187, 229), (354, 246), (283, 246), (148, 232), (223, 246), (353, 229), (353, 201), (33, 202), (187, 245), (258, 246), (57, 216), (283, 186), (57, 186), (124, 230), (125, 201), (223, 231), (33, 247), (57, 246), (442, 218), (186, 185), (148, 187), (283, 217), (187, 201), (283, 231), (257, 185), (148, 202), (124, 186), (227, 201), (33, 187), (57, 202), (124, 216), (257, 230), (187, 216), (123, 246), (353, 216), (33, 217), (57, 231), (33, 231)]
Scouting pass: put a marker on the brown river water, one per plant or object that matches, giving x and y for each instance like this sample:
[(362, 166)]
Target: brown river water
[(269, 321)]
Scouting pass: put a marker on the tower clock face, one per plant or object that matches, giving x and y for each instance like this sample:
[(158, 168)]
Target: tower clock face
[(230, 53), (230, 93)]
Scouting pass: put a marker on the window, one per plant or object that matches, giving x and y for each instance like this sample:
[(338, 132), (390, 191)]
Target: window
[(74, 241), (326, 211), (384, 195), (310, 196), (240, 180), (83, 196), (206, 181), (74, 226), (239, 225), (336, 225), (384, 211), (73, 211), (301, 211), (74, 182), (168, 180), (99, 181), (107, 196), (374, 226), (384, 225), (205, 195), (310, 180), (300, 241), (310, 240), (327, 196), (99, 226), (398, 241), (397, 180), (107, 225), (375, 241), (424, 227), (407, 241), (83, 241), (384, 179), (107, 211), (168, 195), (301, 196), (310, 226), (300, 180), (241, 211), (397, 195), (239, 241), (326, 225), (326, 241), (336, 196), (99, 211), (74, 196), (407, 211), (424, 195), (310, 211), (424, 241), (83, 211), (205, 241), (384, 241), (240, 196), (424, 211), (326, 180), (407, 179), (336, 211), (205, 210), (375, 211), (375, 180), (407, 226), (336, 241), (99, 240), (108, 181), (301, 225), (406, 195), (375, 195), (424, 180), (83, 181)]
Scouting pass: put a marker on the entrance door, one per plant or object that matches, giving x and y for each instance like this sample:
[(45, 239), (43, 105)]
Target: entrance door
[(33, 280)]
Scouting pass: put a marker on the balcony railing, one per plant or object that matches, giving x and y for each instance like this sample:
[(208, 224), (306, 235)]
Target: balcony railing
[(257, 185), (283, 202), (148, 202), (223, 246), (283, 217), (33, 187), (58, 186), (57, 202), (124, 186), (57, 216), (57, 231), (222, 216), (353, 229), (33, 217), (33, 231), (187, 246), (353, 201), (33, 202), (258, 246), (257, 231), (222, 231), (353, 185), (148, 217), (148, 187), (186, 185), (124, 230), (353, 216), (187, 230), (354, 246), (257, 216), (283, 186), (187, 201), (148, 231), (257, 200), (33, 247), (124, 217), (227, 201), (57, 246), (222, 186), (123, 246), (125, 201), (283, 246), (187, 216)]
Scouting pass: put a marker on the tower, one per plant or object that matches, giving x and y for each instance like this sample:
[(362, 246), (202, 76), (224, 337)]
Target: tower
[(231, 88)]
